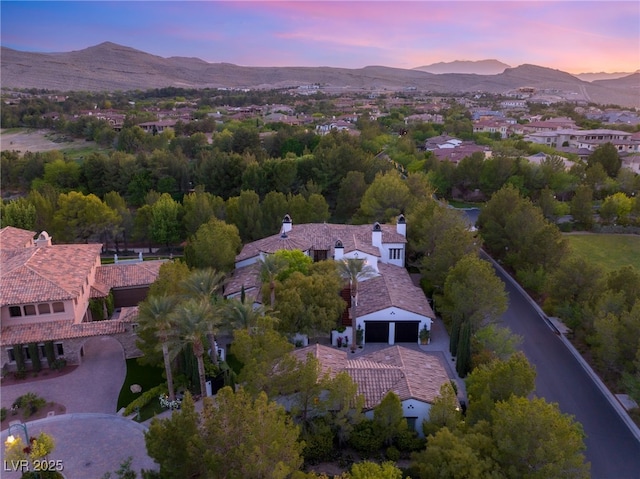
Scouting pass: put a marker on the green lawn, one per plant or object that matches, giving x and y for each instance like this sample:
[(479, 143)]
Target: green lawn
[(609, 251), (147, 377)]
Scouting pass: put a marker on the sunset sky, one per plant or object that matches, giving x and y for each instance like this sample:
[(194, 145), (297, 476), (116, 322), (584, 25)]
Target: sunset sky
[(572, 36)]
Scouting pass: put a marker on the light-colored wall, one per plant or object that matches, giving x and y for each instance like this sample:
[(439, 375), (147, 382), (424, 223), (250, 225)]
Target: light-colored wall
[(394, 315), (411, 408), (69, 314)]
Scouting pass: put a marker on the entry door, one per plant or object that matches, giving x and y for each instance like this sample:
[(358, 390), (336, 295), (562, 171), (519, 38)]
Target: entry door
[(407, 331), (376, 331)]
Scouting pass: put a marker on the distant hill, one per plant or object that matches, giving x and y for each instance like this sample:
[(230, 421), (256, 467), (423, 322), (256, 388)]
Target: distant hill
[(111, 67), (602, 76), (480, 67)]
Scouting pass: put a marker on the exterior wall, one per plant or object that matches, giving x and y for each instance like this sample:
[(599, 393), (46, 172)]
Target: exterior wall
[(386, 248), (411, 408), (394, 315), (69, 314)]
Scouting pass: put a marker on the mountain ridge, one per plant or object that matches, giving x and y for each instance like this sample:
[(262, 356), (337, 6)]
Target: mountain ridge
[(109, 66)]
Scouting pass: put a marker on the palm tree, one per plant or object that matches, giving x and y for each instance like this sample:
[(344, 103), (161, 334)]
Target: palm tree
[(155, 314), (354, 270), (270, 266), (239, 315), (205, 284), (194, 318)]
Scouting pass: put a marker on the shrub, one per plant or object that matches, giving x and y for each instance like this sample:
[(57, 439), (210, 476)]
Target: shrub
[(49, 353), (318, 442), (366, 438), (3, 414), (18, 353), (393, 454), (29, 403), (409, 441), (21, 373), (145, 398), (59, 364), (35, 357)]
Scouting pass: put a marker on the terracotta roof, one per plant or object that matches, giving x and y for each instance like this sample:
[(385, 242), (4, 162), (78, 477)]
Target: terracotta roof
[(322, 236), (46, 273), (57, 330), (249, 277), (409, 373), (393, 288), (127, 275), (15, 238)]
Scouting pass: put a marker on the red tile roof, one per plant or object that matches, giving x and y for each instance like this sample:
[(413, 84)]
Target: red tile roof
[(409, 373), (322, 236), (15, 238), (127, 275), (57, 330)]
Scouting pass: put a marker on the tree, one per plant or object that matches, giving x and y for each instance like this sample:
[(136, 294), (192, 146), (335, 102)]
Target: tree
[(606, 155), (534, 440), (270, 267), (371, 470), (616, 208), (215, 245), (248, 437), (20, 213), (193, 318), (170, 277), (388, 417), (444, 412), (386, 198), (473, 292), (352, 188), (582, 206), (81, 217), (165, 220), (497, 381), (239, 315), (125, 226), (199, 207), (354, 270), (155, 317), (244, 212), (176, 443), (310, 303), (451, 455), (440, 237)]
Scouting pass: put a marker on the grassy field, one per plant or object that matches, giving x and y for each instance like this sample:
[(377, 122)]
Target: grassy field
[(610, 251), (147, 377)]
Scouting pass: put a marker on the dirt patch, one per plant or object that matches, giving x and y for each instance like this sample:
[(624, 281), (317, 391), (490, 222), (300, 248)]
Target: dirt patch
[(37, 141), (44, 411)]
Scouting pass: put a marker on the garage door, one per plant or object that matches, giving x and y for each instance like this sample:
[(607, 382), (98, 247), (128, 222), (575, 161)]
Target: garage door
[(376, 331), (407, 331)]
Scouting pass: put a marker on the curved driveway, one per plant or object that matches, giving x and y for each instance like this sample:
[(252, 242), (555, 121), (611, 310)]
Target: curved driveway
[(91, 439), (612, 450)]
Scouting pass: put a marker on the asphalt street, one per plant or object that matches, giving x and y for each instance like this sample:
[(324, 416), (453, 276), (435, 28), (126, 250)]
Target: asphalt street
[(612, 450)]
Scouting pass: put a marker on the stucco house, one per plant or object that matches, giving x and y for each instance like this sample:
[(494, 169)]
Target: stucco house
[(415, 376), (45, 295), (391, 309)]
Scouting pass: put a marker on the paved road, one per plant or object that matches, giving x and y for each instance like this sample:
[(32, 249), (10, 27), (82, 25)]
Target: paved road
[(612, 450)]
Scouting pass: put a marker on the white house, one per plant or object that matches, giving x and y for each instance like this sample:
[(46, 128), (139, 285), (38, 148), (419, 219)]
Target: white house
[(390, 307), (415, 376)]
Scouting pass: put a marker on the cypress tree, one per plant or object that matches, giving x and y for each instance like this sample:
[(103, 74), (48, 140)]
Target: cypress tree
[(463, 363), (454, 338)]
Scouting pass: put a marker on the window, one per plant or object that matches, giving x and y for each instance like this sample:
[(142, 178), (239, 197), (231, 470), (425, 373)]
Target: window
[(58, 307), (29, 309), (59, 349), (319, 254), (43, 308), (15, 311), (27, 354), (395, 253), (43, 352), (11, 354)]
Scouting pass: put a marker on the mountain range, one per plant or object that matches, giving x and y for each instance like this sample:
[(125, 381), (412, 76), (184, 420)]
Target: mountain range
[(110, 67)]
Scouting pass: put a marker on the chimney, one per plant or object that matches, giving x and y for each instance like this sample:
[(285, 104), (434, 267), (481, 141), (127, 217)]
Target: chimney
[(338, 249), (43, 239), (286, 224), (376, 235), (401, 226)]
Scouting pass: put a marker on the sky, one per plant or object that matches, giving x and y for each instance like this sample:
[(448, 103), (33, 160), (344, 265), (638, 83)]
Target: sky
[(572, 36)]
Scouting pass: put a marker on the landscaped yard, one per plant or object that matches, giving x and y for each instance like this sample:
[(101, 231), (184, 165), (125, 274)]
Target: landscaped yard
[(609, 251), (147, 377)]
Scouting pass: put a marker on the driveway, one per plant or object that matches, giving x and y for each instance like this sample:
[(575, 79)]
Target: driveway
[(91, 439), (93, 387)]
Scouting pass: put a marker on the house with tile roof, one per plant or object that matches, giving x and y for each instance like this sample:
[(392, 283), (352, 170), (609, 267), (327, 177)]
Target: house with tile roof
[(46, 291), (391, 309), (414, 376)]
